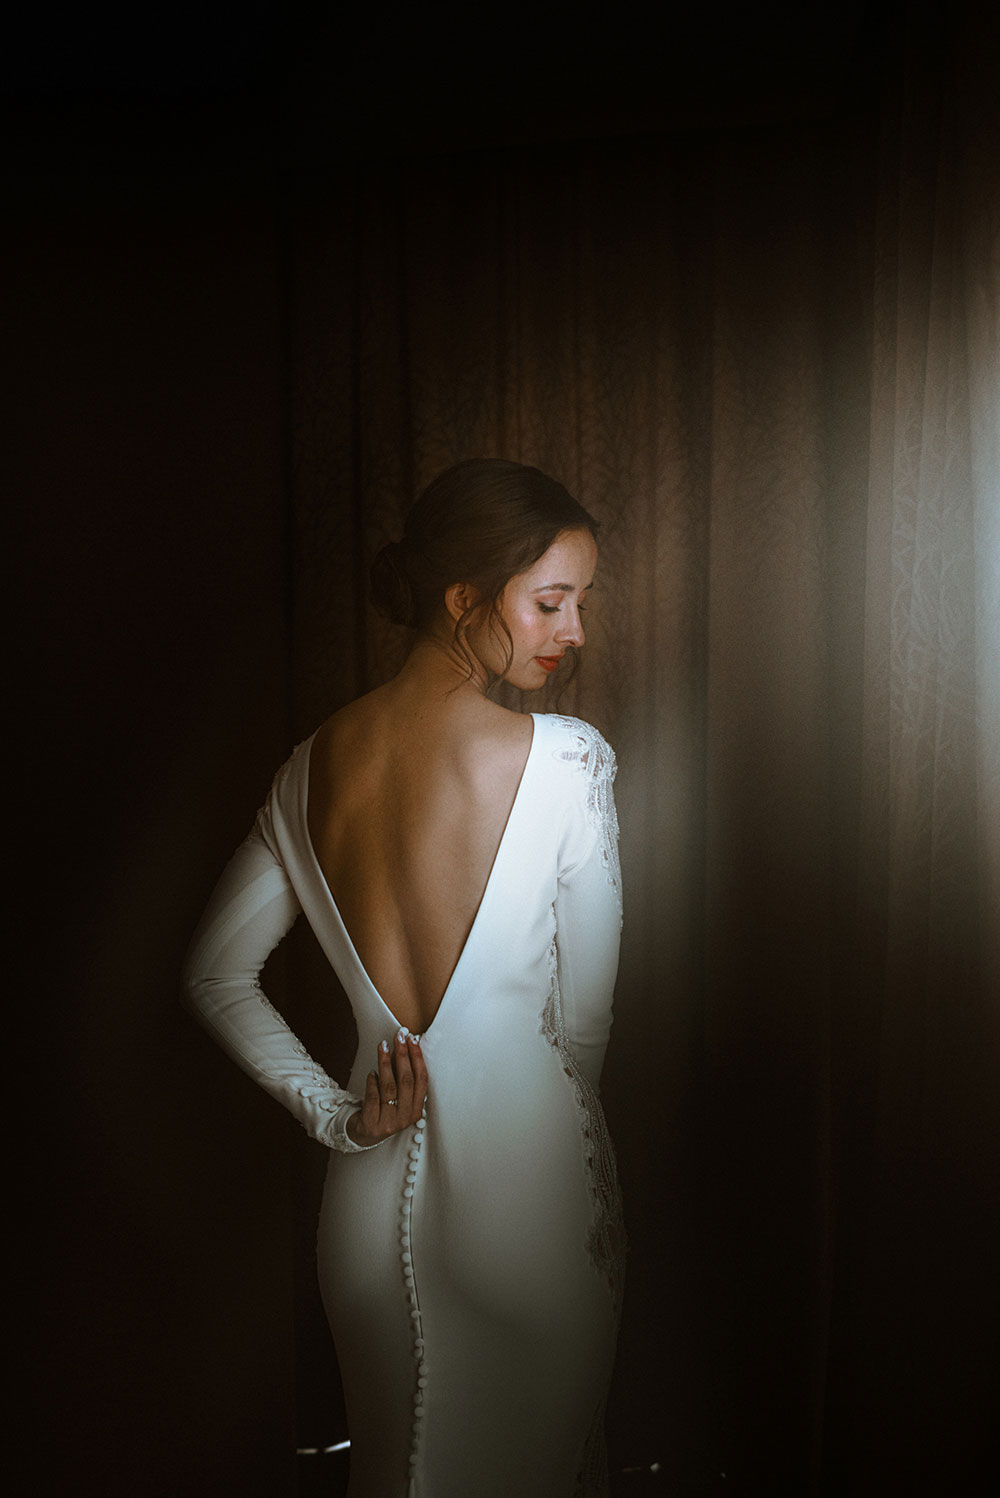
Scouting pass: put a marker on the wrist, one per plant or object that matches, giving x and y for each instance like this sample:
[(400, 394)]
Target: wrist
[(341, 1137), (354, 1131)]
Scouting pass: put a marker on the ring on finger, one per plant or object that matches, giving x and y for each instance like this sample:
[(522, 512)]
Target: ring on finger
[(392, 1102)]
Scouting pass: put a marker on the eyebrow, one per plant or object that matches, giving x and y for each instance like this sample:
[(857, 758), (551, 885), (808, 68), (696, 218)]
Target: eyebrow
[(561, 588)]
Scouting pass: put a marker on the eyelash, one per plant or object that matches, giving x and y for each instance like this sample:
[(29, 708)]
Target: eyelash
[(550, 608)]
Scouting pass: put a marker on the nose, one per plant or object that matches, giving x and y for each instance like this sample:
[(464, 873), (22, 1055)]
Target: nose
[(570, 631)]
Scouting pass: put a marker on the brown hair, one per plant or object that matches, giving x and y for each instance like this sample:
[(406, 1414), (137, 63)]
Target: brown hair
[(480, 522)]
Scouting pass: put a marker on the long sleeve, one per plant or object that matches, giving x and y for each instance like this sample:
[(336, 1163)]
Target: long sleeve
[(251, 909), (589, 903)]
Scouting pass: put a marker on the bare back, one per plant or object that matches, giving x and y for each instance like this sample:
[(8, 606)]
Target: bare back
[(407, 808)]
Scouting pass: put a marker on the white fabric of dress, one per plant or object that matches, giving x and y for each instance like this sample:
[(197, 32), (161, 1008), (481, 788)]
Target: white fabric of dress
[(471, 1266)]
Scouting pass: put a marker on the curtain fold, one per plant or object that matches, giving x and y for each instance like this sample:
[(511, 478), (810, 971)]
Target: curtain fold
[(915, 1305), (767, 361)]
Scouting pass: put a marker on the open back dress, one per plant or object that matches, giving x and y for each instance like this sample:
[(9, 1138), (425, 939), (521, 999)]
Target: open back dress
[(471, 1266)]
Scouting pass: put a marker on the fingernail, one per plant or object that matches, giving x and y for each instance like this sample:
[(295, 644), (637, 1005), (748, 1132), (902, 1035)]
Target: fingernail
[(414, 1039), (401, 1037), (384, 1046)]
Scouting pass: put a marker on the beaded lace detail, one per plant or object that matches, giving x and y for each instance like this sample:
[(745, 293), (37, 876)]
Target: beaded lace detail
[(606, 1236), (596, 759), (606, 1240)]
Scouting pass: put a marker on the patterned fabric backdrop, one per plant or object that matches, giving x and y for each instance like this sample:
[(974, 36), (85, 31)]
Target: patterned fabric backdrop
[(766, 360)]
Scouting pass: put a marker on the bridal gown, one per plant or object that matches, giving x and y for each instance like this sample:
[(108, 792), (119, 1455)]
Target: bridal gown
[(471, 1266)]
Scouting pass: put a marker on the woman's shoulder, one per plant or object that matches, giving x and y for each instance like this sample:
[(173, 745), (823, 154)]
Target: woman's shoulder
[(583, 761), (563, 741), (485, 739)]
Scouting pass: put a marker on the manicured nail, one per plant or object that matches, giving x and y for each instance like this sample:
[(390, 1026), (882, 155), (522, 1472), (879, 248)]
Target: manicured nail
[(414, 1039), (384, 1046), (401, 1037)]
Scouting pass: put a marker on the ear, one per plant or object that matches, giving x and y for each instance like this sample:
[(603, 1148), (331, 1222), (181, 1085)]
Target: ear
[(459, 598)]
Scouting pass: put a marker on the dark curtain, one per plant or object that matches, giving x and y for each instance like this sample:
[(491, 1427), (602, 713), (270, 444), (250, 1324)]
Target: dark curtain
[(754, 329), (765, 356)]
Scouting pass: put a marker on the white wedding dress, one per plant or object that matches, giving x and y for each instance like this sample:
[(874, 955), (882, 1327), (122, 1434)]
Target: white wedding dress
[(471, 1267)]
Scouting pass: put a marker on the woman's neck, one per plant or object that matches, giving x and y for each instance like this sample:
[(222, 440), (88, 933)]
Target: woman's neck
[(436, 667)]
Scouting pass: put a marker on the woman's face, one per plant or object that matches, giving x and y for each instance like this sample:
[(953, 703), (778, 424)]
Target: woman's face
[(543, 609)]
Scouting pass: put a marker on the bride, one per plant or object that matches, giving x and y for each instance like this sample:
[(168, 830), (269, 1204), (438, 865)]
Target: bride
[(458, 863)]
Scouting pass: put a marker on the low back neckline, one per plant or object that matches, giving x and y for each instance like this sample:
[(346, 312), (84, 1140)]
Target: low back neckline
[(476, 920)]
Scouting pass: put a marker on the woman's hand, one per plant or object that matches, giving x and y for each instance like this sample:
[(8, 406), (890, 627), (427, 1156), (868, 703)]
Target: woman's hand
[(394, 1095)]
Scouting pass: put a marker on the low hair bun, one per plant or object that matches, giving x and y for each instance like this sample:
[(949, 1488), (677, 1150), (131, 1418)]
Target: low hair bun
[(391, 589), (480, 522)]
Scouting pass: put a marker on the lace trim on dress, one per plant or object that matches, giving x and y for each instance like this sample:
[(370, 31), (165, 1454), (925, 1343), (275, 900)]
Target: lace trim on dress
[(606, 1240), (595, 757), (606, 1237)]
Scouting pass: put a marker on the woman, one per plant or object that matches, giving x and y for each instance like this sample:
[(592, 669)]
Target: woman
[(458, 863)]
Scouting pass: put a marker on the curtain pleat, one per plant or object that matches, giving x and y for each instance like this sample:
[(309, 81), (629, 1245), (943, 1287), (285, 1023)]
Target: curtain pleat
[(767, 361)]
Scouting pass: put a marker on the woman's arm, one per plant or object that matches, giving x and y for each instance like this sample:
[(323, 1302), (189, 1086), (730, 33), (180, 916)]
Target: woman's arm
[(589, 904), (588, 927), (251, 909)]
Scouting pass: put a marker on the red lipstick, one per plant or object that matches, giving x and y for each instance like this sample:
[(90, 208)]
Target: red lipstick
[(548, 662)]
